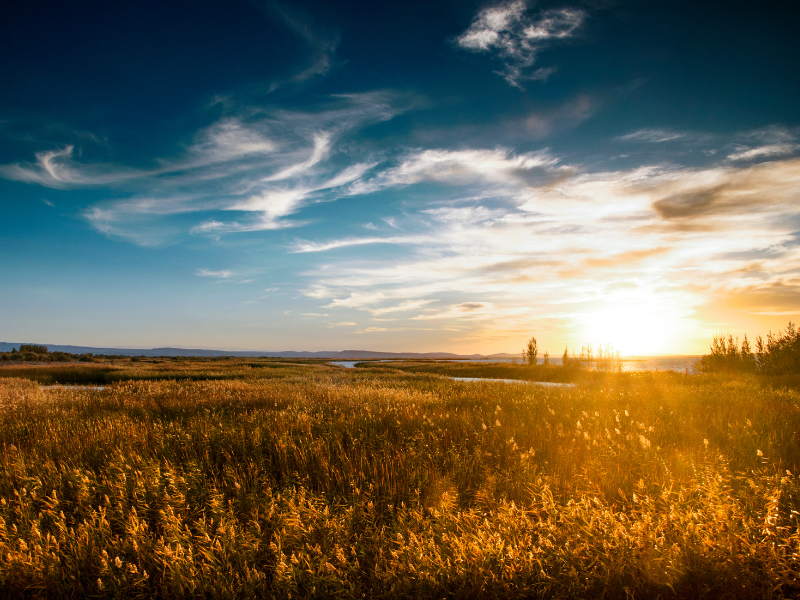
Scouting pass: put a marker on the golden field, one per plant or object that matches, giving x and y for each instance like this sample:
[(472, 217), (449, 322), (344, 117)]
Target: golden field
[(296, 479)]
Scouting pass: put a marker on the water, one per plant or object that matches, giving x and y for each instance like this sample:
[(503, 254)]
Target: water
[(544, 383), (72, 387), (681, 364)]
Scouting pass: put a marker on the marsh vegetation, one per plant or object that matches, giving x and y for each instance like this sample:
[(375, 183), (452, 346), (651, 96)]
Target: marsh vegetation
[(293, 479)]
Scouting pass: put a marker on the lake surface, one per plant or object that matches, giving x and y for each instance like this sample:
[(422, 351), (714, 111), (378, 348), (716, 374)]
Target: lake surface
[(544, 383), (681, 364)]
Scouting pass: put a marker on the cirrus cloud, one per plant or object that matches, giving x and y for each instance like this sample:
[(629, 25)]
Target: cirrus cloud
[(507, 31)]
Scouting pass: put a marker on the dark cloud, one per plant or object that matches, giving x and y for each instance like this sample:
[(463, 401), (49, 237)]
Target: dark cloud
[(692, 204), (471, 306), (753, 190)]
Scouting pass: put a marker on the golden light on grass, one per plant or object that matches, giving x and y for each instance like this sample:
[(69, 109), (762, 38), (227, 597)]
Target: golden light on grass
[(298, 480)]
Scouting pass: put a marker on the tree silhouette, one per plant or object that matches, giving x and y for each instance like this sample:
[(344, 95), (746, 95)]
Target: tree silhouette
[(530, 352)]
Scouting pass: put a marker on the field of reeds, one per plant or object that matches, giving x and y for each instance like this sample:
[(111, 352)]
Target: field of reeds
[(291, 480)]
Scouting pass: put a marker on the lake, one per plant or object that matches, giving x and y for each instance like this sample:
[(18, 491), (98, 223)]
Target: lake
[(681, 364)]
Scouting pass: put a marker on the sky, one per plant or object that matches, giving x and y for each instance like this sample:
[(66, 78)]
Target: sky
[(399, 176)]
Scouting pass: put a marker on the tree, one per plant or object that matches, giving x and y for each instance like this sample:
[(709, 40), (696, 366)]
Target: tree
[(546, 358), (529, 354), (780, 354), (565, 357), (34, 348)]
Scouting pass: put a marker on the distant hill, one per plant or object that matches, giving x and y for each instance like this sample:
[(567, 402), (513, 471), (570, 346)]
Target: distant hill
[(340, 354)]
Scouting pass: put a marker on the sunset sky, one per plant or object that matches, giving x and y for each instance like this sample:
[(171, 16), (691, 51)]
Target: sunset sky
[(400, 176)]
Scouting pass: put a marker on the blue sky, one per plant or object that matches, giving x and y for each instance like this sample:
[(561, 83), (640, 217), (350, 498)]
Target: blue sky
[(429, 176)]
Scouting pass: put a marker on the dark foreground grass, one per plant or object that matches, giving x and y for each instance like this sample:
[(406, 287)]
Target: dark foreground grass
[(165, 369), (361, 483)]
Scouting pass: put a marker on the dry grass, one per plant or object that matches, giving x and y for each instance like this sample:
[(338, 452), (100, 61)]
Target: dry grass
[(309, 481)]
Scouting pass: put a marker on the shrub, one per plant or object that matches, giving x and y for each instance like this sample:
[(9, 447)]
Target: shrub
[(779, 355), (34, 348), (725, 356)]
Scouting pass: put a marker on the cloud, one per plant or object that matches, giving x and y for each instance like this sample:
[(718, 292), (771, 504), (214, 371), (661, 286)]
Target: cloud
[(653, 136), (226, 140), (726, 193), (460, 167), (306, 246), (564, 249), (572, 113), (321, 42), (462, 311), (221, 274), (320, 149), (408, 305), (265, 165), (506, 31), (765, 151), (56, 169), (214, 148)]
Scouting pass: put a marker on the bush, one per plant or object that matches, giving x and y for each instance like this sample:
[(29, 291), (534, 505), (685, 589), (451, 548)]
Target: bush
[(779, 355), (34, 348), (726, 356)]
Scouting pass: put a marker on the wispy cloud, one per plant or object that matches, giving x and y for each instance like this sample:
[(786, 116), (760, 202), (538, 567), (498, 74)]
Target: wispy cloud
[(507, 31), (654, 136), (765, 151), (235, 276), (227, 141), (305, 246), (322, 42), (56, 169), (264, 164), (221, 274), (461, 167), (408, 305), (765, 142), (562, 248)]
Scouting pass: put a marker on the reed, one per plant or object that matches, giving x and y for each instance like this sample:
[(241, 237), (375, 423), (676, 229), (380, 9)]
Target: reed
[(302, 480)]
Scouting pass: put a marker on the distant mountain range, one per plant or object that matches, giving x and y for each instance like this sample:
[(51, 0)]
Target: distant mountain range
[(340, 354)]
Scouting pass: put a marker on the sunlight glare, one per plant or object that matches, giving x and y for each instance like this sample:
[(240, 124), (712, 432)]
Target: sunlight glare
[(632, 329)]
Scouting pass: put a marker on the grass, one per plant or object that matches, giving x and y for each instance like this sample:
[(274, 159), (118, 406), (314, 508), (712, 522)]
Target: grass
[(103, 372), (549, 373), (297, 480)]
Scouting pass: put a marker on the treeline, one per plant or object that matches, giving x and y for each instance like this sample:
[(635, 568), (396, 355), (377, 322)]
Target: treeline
[(779, 354), (37, 353)]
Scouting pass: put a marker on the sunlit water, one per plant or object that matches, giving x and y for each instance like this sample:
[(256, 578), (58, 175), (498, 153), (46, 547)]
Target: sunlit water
[(681, 364), (347, 364)]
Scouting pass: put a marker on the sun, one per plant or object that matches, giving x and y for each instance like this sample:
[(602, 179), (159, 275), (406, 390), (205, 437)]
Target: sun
[(632, 329)]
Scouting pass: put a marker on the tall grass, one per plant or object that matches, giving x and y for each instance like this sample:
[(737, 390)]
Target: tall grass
[(378, 483)]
